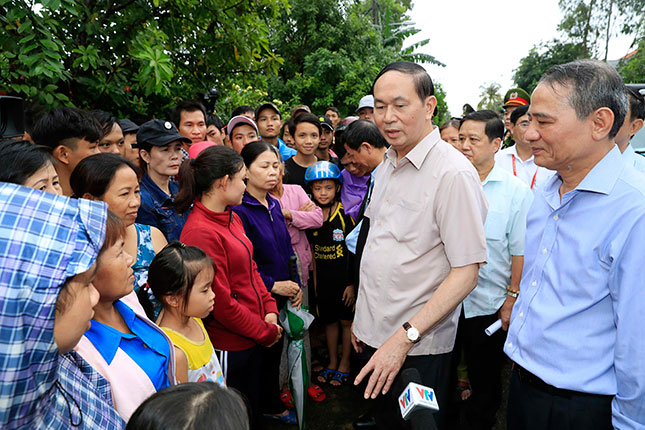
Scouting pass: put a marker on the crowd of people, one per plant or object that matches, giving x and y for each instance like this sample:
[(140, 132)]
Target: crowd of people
[(144, 266)]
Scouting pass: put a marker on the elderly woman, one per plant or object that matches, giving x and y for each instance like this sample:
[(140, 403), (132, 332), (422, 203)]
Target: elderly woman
[(127, 349), (47, 299)]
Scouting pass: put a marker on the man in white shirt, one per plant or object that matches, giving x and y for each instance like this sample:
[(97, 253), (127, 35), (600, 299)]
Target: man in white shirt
[(498, 285), (633, 123), (518, 159)]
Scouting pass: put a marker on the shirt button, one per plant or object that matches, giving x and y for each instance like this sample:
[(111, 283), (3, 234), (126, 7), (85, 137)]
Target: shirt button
[(544, 251), (555, 217), (510, 344), (521, 314), (379, 223), (533, 283)]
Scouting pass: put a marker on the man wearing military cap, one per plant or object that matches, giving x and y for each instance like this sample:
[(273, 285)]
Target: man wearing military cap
[(514, 98)]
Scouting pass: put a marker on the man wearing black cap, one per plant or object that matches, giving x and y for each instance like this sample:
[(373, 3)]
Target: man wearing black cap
[(326, 139), (269, 122), (160, 150), (130, 148)]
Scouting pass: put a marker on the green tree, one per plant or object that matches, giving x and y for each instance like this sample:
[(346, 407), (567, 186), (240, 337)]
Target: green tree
[(490, 97), (134, 55), (541, 58), (632, 69)]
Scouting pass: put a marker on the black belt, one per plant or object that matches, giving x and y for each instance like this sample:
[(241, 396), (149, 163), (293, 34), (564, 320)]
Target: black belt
[(528, 378)]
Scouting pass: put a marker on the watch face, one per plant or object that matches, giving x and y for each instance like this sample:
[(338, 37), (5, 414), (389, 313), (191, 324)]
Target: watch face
[(413, 334)]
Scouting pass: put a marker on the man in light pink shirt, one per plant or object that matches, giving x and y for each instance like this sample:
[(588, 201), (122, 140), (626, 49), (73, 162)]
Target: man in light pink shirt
[(424, 247)]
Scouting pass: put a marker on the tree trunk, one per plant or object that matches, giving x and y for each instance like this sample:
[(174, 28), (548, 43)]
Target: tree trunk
[(608, 34), (585, 37)]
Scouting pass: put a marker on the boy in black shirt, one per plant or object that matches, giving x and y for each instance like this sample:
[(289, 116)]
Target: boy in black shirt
[(332, 277), (306, 132)]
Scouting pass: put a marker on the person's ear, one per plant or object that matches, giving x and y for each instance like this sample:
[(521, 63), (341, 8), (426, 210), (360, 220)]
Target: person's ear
[(173, 300), (430, 105), (497, 142), (635, 126), (88, 196), (145, 155), (62, 154), (602, 120), (366, 147)]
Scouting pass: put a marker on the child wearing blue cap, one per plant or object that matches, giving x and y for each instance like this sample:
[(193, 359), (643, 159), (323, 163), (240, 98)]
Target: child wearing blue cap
[(335, 293)]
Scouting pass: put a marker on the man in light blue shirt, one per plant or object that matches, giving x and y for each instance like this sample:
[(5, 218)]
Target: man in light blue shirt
[(481, 135), (576, 333), (633, 123)]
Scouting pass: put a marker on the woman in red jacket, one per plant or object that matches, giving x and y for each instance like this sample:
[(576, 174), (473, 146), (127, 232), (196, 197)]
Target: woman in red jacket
[(245, 315)]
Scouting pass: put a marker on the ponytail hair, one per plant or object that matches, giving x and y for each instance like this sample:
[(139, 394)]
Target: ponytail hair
[(174, 269), (196, 176)]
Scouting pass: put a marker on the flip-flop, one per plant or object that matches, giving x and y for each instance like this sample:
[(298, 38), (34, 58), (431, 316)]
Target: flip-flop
[(289, 418), (286, 398), (316, 393), (341, 377), (326, 374)]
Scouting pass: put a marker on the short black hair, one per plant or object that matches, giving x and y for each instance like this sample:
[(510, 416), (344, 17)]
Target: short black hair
[(188, 106), (241, 110), (21, 159), (593, 84), (305, 117), (215, 120), (422, 81), (106, 119), (66, 126), (192, 405), (333, 109), (253, 150), (364, 131), (636, 104), (288, 125), (94, 174), (494, 125), (519, 112)]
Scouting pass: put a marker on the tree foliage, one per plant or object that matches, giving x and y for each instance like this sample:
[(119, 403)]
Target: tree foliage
[(632, 69), (140, 56), (490, 97), (541, 58)]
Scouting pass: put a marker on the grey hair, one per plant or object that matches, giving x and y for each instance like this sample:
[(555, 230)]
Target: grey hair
[(594, 84)]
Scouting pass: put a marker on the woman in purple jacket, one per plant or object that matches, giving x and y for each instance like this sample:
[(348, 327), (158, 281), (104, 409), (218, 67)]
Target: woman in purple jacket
[(264, 224)]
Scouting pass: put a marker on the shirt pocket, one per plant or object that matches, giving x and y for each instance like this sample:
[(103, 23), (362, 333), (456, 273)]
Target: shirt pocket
[(167, 220), (495, 226), (406, 222)]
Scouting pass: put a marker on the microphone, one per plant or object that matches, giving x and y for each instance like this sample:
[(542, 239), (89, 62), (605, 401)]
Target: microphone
[(417, 402)]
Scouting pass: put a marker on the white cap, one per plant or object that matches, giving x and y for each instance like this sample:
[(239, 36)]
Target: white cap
[(367, 101)]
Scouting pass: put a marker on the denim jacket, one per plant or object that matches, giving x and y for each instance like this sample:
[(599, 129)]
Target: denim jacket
[(158, 208)]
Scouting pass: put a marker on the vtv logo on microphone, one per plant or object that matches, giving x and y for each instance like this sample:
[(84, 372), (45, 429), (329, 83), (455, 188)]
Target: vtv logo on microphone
[(417, 396)]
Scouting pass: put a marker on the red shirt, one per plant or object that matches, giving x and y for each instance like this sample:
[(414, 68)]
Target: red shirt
[(241, 299)]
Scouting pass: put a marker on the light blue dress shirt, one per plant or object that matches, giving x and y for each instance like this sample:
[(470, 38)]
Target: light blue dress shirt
[(352, 237), (509, 200), (633, 159), (578, 322)]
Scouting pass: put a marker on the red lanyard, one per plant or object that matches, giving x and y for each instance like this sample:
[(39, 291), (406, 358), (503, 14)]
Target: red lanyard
[(515, 171)]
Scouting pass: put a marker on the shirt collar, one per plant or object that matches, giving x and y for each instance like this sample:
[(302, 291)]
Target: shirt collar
[(629, 151), (250, 200), (418, 154), (600, 179), (106, 339), (158, 194), (495, 175)]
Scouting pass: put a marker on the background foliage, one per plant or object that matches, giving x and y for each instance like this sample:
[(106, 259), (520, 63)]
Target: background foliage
[(136, 58)]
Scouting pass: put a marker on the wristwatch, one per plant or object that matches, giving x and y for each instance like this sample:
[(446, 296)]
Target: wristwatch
[(411, 332)]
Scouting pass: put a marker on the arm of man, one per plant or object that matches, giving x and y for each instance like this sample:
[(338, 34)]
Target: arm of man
[(517, 264), (388, 359)]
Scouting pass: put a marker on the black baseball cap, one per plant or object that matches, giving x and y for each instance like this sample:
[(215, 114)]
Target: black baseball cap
[(128, 126), (157, 132), (326, 122)]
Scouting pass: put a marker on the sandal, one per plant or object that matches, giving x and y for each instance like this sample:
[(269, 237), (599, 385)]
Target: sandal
[(316, 393), (325, 375), (289, 418), (286, 398), (340, 377)]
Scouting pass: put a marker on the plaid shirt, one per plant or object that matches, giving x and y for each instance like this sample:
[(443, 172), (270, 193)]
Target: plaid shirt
[(45, 239)]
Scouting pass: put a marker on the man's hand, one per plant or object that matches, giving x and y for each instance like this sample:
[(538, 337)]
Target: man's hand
[(356, 342), (505, 312), (385, 365)]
